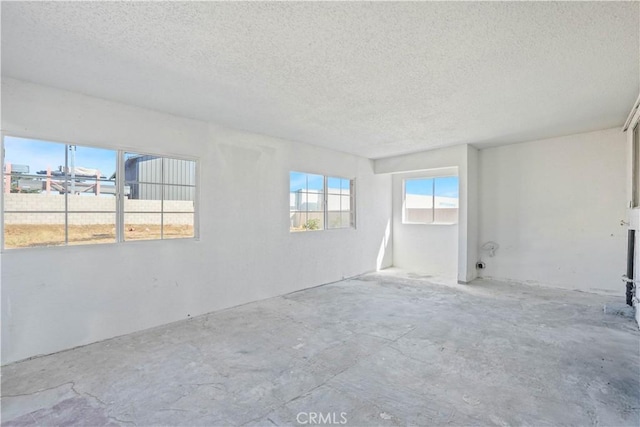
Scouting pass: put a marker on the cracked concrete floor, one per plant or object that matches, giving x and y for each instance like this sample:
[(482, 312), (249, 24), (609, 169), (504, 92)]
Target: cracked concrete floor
[(383, 349)]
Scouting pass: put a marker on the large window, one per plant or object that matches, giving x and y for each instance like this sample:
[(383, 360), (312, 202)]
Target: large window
[(66, 194), (430, 200), (318, 202)]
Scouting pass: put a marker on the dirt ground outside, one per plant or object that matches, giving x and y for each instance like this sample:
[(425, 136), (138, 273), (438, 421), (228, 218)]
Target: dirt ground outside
[(32, 235)]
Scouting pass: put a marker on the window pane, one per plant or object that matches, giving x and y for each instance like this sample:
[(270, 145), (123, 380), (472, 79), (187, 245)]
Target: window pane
[(142, 211), (142, 226), (142, 207), (33, 229), (34, 207), (345, 203), (89, 203), (142, 168), (90, 162), (333, 203), (343, 219), (87, 187), (346, 186), (418, 200), (91, 228), (348, 219), (297, 181), (178, 226), (419, 187), (33, 202), (446, 200), (178, 198), (144, 191), (334, 185), (315, 182), (179, 193), (306, 201), (300, 181), (315, 221), (315, 201), (31, 157), (335, 220), (299, 201), (298, 220), (179, 172), (178, 212), (89, 171), (50, 171), (175, 199)]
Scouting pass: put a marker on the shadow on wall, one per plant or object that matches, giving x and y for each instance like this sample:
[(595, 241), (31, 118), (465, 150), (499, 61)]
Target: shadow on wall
[(383, 246)]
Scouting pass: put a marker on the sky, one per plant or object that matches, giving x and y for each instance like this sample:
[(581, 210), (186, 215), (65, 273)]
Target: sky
[(301, 181), (39, 155), (444, 186)]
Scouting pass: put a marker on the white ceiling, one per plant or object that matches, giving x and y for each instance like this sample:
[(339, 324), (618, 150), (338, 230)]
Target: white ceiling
[(374, 79)]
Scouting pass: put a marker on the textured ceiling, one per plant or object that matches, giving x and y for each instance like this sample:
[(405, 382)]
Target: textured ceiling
[(374, 79)]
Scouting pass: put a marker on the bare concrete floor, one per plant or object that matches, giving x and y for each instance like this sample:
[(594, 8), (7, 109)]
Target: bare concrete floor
[(380, 350)]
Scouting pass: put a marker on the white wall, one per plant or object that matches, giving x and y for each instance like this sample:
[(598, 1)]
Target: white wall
[(554, 207), (57, 298), (423, 248), (464, 158)]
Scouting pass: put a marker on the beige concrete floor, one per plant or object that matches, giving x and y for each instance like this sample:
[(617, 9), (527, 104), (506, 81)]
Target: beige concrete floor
[(383, 349)]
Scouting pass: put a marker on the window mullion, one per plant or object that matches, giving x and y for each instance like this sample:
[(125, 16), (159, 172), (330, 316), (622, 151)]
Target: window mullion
[(352, 203), (120, 196), (325, 202), (433, 201), (66, 194), (162, 199)]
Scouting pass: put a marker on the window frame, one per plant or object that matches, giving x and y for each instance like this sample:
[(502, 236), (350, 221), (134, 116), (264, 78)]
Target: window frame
[(325, 202), (120, 179), (635, 166), (432, 177), (122, 157)]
